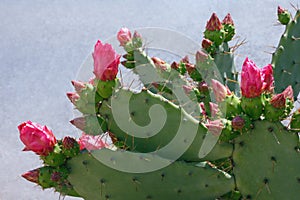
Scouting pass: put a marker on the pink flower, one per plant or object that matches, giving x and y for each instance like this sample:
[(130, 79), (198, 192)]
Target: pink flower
[(36, 138), (251, 81), (220, 90), (106, 62), (94, 142), (213, 23), (124, 36), (267, 78), (215, 127)]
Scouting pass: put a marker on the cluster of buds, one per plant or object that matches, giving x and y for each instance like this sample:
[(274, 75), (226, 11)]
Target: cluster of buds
[(55, 153), (217, 32), (130, 43)]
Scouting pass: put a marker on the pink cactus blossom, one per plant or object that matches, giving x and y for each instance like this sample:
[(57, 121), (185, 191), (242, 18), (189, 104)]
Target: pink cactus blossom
[(227, 19), (251, 81), (220, 90), (215, 127), (213, 23), (124, 36), (106, 62), (214, 109), (94, 142), (267, 78), (36, 138), (32, 175)]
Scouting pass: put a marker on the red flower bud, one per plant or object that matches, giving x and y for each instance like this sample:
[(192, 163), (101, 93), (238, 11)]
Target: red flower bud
[(267, 78), (213, 23), (227, 19), (68, 142), (79, 123), (37, 138), (201, 56), (206, 43), (251, 81), (238, 123), (32, 175)]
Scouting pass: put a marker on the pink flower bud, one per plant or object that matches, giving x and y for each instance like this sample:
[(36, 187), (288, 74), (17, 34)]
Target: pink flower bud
[(159, 63), (227, 19), (203, 87), (280, 10), (78, 85), (37, 138), (214, 109), (203, 111), (213, 23), (279, 100), (94, 142), (288, 93), (174, 65), (32, 175), (201, 56), (187, 89), (106, 62), (124, 36), (220, 90), (215, 127), (267, 78), (137, 35), (73, 96), (251, 81), (206, 43)]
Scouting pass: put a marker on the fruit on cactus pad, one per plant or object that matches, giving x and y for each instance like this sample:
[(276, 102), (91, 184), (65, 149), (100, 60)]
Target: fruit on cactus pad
[(124, 36), (284, 16), (106, 62), (37, 138)]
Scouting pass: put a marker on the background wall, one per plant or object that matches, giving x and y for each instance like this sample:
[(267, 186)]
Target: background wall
[(43, 44)]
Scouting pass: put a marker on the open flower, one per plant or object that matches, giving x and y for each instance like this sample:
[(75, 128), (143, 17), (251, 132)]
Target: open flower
[(37, 138), (251, 81), (106, 62)]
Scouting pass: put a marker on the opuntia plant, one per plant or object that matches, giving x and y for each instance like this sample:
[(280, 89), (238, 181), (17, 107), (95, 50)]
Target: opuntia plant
[(192, 132)]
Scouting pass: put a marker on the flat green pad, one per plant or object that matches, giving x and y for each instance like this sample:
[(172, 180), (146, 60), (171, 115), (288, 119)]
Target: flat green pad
[(267, 163), (95, 181)]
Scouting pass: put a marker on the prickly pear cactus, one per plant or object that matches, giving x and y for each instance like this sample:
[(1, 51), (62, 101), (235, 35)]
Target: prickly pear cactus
[(286, 57), (192, 132)]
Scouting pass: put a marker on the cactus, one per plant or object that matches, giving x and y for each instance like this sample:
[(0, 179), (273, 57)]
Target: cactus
[(186, 135), (285, 59)]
